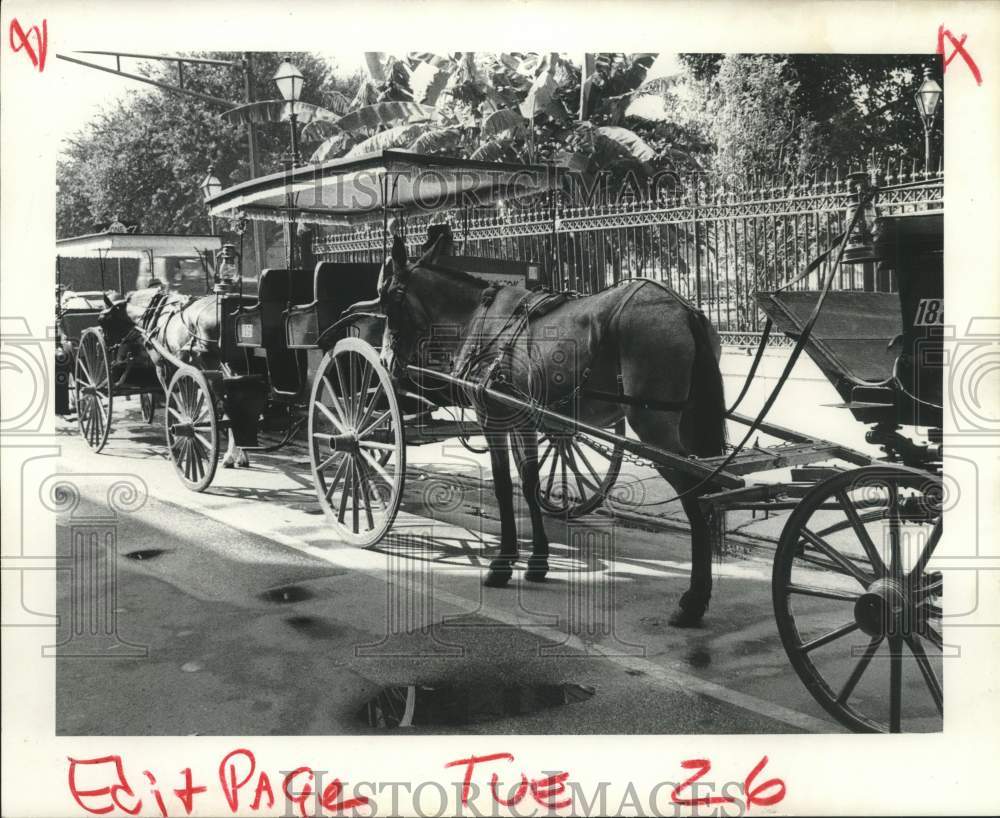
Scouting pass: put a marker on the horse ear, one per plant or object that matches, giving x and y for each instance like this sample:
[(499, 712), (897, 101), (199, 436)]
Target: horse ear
[(107, 301), (399, 259)]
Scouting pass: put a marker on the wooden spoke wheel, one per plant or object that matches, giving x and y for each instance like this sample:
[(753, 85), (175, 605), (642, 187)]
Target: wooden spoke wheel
[(147, 403), (192, 428), (356, 443), (858, 602), (576, 472), (93, 388)]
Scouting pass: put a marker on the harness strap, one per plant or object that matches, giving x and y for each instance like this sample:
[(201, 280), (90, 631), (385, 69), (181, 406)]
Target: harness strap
[(768, 324)]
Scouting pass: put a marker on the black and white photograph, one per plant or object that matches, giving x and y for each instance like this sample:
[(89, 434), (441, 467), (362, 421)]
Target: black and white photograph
[(485, 397)]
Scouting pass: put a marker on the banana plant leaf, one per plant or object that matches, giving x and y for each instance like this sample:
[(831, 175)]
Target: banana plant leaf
[(278, 110), (436, 140), (338, 102), (385, 113), (541, 94), (496, 150), (620, 141), (399, 137), (428, 81), (334, 146), (506, 119)]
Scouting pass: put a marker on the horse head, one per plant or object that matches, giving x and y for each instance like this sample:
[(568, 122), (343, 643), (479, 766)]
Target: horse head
[(114, 320), (405, 318)]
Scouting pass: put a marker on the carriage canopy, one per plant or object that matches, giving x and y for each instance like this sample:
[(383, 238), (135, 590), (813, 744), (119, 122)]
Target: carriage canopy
[(343, 191), (136, 245)]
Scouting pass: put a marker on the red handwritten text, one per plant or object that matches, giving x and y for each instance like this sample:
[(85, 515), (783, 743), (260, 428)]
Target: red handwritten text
[(547, 792), (20, 40), (958, 48)]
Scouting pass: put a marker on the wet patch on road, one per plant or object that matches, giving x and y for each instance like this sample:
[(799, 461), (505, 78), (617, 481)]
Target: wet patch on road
[(426, 705), (314, 626), (287, 594), (145, 554), (698, 657)]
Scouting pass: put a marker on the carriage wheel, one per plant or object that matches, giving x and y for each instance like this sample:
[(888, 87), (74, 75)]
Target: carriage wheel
[(576, 472), (192, 429), (93, 389), (147, 402), (356, 443), (857, 603)]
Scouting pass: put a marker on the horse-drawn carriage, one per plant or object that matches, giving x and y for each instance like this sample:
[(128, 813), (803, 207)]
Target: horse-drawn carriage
[(862, 532), (367, 355), (88, 374)]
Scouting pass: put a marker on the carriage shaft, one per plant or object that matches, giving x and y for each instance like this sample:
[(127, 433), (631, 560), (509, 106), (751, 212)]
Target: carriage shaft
[(669, 460)]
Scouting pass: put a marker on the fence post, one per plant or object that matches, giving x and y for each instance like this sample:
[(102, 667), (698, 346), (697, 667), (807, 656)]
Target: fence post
[(697, 248), (553, 203)]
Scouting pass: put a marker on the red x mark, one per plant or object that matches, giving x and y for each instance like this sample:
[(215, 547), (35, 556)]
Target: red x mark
[(958, 47), (35, 53)]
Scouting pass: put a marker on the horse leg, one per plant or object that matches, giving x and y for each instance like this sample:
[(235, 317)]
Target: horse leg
[(502, 566), (526, 448), (235, 457), (663, 429), (694, 601)]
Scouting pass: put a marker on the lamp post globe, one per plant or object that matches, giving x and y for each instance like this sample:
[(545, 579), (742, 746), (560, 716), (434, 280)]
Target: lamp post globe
[(210, 187), (928, 100), (290, 83)]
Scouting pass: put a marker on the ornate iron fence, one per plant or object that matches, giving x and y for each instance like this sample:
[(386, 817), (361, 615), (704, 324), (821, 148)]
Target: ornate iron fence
[(716, 245)]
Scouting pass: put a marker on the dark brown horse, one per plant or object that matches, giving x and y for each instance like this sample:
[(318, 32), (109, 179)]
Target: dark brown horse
[(638, 339)]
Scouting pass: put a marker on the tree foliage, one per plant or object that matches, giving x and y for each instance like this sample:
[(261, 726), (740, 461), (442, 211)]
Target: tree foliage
[(801, 113), (143, 158), (603, 114)]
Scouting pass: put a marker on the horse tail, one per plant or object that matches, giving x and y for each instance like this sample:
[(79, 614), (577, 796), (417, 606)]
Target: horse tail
[(703, 426)]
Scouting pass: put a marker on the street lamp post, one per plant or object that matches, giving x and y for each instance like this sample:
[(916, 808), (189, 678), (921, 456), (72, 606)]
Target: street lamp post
[(290, 81), (928, 99), (210, 187)]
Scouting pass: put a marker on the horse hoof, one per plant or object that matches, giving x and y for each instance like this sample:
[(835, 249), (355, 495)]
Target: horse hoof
[(497, 579), (537, 569), (686, 618), (501, 570), (228, 464)]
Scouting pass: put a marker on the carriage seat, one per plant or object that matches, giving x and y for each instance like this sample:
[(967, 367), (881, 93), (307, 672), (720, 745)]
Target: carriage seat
[(336, 286), (260, 325)]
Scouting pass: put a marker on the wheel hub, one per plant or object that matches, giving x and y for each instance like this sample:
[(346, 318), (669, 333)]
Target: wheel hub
[(183, 429), (344, 443), (880, 610)]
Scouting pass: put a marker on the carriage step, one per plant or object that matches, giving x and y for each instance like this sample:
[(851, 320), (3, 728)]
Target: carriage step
[(777, 457)]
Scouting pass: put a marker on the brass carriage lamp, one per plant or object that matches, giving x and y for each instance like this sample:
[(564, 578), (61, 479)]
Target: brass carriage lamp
[(928, 99), (290, 83)]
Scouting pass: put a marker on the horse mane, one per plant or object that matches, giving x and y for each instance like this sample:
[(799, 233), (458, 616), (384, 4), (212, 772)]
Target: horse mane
[(429, 257), (140, 298), (459, 276)]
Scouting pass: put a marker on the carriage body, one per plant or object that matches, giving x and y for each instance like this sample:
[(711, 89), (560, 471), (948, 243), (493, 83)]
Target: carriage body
[(109, 369), (882, 351)]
